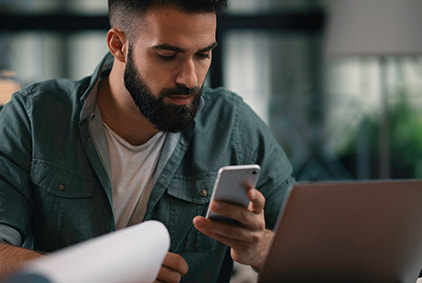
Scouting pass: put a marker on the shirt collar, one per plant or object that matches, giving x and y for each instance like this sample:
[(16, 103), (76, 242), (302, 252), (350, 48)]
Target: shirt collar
[(89, 98)]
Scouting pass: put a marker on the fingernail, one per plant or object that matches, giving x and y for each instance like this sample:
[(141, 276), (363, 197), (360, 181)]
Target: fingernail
[(198, 222), (252, 193)]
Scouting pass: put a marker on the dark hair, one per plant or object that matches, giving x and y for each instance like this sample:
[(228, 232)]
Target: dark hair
[(123, 12)]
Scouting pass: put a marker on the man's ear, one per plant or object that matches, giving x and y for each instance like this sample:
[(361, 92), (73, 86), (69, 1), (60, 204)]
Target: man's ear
[(117, 44)]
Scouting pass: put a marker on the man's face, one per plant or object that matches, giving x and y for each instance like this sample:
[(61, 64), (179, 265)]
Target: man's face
[(167, 117), (167, 65)]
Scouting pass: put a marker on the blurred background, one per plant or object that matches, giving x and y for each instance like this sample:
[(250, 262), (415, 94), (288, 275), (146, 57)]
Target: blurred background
[(338, 82), (339, 114)]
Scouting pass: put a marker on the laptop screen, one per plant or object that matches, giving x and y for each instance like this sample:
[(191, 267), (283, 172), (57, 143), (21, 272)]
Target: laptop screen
[(348, 232)]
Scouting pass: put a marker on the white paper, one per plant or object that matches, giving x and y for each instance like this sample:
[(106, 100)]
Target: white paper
[(134, 254)]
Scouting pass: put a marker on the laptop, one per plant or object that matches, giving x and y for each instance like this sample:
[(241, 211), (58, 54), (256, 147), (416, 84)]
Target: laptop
[(348, 232)]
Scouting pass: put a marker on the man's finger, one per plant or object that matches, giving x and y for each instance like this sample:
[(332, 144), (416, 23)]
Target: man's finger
[(257, 201), (176, 262), (174, 267)]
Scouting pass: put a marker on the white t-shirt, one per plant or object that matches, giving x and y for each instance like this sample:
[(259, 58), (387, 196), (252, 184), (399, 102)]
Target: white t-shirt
[(132, 170)]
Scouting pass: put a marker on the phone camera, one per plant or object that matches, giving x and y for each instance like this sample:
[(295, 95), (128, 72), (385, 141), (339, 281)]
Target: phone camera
[(254, 172)]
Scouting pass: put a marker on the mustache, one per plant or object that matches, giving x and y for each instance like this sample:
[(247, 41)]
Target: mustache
[(181, 90)]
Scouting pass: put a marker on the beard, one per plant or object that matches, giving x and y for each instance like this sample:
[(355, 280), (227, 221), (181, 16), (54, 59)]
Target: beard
[(165, 117)]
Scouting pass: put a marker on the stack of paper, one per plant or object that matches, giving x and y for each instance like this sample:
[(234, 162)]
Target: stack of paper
[(134, 254)]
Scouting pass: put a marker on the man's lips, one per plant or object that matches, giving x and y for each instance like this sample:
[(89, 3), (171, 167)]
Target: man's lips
[(179, 99)]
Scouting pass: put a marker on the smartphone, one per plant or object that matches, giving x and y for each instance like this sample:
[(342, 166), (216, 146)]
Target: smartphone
[(232, 185)]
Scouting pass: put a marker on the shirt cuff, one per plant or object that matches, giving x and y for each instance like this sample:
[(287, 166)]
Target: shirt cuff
[(9, 235)]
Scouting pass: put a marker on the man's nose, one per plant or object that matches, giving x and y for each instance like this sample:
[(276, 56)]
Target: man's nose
[(187, 75)]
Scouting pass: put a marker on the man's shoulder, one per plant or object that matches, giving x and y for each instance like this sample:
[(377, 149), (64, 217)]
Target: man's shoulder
[(53, 87), (221, 93), (220, 100), (51, 94), (224, 111), (225, 103)]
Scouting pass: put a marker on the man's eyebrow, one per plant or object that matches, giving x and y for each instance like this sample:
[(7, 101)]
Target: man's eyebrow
[(181, 50), (209, 48), (168, 47)]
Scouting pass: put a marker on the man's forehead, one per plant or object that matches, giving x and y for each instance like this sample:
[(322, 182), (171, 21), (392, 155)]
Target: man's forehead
[(172, 20), (177, 29)]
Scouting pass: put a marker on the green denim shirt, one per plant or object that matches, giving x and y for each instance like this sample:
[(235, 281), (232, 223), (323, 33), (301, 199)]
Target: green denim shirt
[(55, 187)]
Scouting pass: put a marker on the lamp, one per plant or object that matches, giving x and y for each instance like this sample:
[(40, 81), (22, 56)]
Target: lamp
[(380, 28)]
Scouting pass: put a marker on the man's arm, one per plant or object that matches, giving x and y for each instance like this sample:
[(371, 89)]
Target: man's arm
[(12, 258)]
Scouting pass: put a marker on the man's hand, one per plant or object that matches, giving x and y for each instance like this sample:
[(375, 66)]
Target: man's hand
[(174, 267), (248, 241)]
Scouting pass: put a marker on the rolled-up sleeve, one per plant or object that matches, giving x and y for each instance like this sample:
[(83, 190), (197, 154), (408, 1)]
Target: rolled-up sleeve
[(15, 164), (10, 236)]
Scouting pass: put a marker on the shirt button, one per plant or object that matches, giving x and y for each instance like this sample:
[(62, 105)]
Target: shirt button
[(62, 187), (204, 193)]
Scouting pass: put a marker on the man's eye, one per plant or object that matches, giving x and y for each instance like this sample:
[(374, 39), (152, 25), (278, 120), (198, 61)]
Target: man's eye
[(203, 55), (166, 57)]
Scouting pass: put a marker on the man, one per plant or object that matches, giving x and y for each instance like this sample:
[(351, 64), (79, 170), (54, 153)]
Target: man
[(140, 139)]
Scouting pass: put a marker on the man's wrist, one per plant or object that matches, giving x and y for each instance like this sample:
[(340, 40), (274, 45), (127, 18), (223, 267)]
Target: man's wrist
[(268, 234)]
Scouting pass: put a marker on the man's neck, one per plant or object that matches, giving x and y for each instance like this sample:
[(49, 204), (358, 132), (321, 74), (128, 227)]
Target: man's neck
[(121, 114)]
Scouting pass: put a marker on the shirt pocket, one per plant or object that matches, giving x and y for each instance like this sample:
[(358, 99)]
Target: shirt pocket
[(189, 197), (61, 182), (64, 205)]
